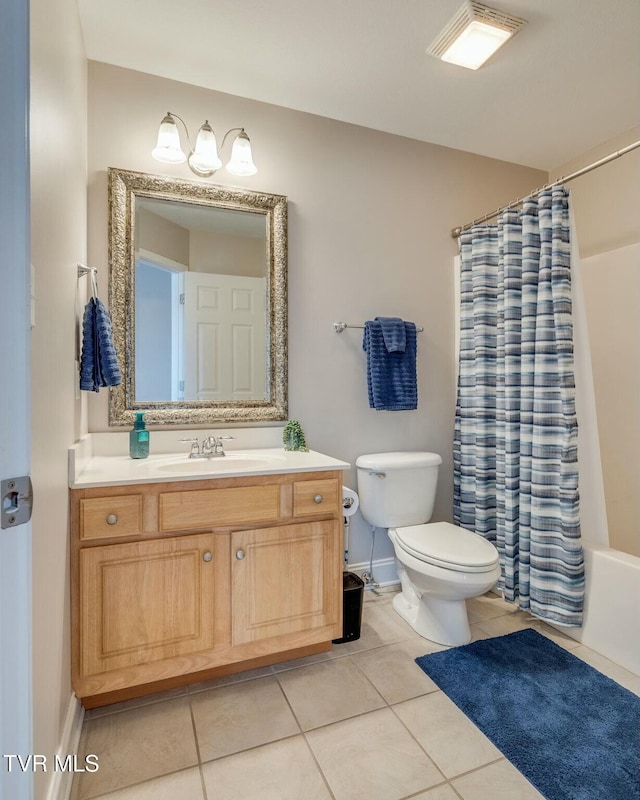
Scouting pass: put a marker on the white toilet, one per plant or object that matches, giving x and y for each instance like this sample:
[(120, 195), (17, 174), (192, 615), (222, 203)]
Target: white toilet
[(439, 564)]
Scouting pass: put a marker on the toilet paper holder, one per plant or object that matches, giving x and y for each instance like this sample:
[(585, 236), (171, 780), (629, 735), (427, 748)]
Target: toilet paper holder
[(350, 502)]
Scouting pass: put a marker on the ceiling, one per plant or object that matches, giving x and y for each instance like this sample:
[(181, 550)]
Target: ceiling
[(567, 82)]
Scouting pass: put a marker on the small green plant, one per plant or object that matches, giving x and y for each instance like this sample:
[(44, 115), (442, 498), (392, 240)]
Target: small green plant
[(293, 436)]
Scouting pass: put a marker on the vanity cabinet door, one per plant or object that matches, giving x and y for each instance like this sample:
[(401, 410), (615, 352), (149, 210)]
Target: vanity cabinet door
[(143, 602), (286, 580)]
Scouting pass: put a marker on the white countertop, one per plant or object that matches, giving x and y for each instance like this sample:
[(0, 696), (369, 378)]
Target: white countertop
[(113, 470)]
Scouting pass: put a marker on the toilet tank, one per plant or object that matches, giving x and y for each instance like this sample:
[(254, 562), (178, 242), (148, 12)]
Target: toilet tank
[(397, 489)]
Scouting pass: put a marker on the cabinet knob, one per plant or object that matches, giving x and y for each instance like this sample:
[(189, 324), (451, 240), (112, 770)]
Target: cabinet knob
[(240, 555), (112, 519), (318, 499), (207, 556)]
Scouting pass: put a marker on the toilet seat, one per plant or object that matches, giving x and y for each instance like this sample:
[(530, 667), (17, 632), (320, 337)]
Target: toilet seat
[(449, 546)]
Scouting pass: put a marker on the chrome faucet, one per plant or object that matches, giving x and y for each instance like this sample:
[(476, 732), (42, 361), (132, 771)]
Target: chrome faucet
[(211, 446)]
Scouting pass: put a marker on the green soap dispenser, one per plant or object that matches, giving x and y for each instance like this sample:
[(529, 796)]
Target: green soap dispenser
[(139, 438)]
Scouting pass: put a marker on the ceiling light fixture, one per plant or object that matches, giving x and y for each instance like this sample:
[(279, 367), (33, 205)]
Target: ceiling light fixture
[(474, 35), (203, 160)]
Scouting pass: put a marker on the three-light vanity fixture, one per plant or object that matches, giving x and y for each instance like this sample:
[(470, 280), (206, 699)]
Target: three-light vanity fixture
[(203, 160)]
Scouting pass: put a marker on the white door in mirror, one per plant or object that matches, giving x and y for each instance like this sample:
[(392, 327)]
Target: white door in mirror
[(224, 337)]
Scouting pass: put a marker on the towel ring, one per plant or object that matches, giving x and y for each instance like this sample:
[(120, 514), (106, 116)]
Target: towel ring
[(93, 272)]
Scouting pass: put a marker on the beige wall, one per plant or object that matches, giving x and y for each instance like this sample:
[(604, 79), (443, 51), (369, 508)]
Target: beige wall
[(162, 237), (58, 241), (606, 204), (369, 234), (201, 251), (227, 255)]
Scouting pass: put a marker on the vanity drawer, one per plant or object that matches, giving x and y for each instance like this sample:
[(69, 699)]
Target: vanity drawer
[(107, 517), (315, 497), (214, 508)]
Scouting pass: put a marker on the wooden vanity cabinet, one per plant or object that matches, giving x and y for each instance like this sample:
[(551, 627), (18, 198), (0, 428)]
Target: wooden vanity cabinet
[(179, 582), (283, 581), (144, 602)]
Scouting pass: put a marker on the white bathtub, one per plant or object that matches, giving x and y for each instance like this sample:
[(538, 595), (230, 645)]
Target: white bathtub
[(612, 606)]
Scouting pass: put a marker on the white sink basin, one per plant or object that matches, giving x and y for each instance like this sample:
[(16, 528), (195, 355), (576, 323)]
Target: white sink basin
[(117, 470), (240, 461)]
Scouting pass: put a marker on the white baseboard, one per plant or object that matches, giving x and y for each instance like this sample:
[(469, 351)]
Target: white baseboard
[(384, 571), (60, 786)]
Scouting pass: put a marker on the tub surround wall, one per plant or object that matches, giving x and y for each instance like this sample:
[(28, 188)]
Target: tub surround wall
[(369, 221), (606, 205), (58, 122), (612, 296)]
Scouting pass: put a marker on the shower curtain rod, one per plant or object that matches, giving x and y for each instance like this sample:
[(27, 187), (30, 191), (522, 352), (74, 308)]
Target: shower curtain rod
[(455, 232)]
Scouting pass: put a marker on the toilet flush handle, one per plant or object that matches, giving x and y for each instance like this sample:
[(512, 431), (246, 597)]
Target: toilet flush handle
[(378, 474)]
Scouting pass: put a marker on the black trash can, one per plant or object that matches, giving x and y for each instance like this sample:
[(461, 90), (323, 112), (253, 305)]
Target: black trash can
[(352, 598)]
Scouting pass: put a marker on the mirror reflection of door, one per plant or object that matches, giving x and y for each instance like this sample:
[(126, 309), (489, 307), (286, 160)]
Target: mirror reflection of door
[(224, 337), (200, 303)]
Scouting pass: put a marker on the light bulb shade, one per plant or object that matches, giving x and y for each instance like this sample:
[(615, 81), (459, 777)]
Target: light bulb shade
[(475, 45), (204, 159), (241, 162), (167, 148), (474, 34)]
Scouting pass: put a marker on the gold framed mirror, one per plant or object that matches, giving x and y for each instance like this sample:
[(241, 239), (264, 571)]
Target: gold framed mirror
[(198, 301)]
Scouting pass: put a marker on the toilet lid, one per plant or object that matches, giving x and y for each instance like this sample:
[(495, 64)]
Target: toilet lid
[(446, 545)]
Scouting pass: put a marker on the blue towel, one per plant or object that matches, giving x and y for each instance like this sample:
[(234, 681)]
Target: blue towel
[(391, 376), (393, 333), (98, 363)]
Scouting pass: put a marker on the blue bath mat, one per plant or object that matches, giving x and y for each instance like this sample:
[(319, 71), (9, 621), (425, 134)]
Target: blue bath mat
[(571, 731)]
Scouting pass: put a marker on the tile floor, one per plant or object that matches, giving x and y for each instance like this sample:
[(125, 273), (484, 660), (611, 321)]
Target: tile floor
[(360, 723)]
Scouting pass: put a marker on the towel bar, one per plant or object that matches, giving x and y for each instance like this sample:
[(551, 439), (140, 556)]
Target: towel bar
[(338, 327)]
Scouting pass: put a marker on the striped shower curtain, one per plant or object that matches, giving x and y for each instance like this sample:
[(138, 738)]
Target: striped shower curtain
[(515, 444)]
